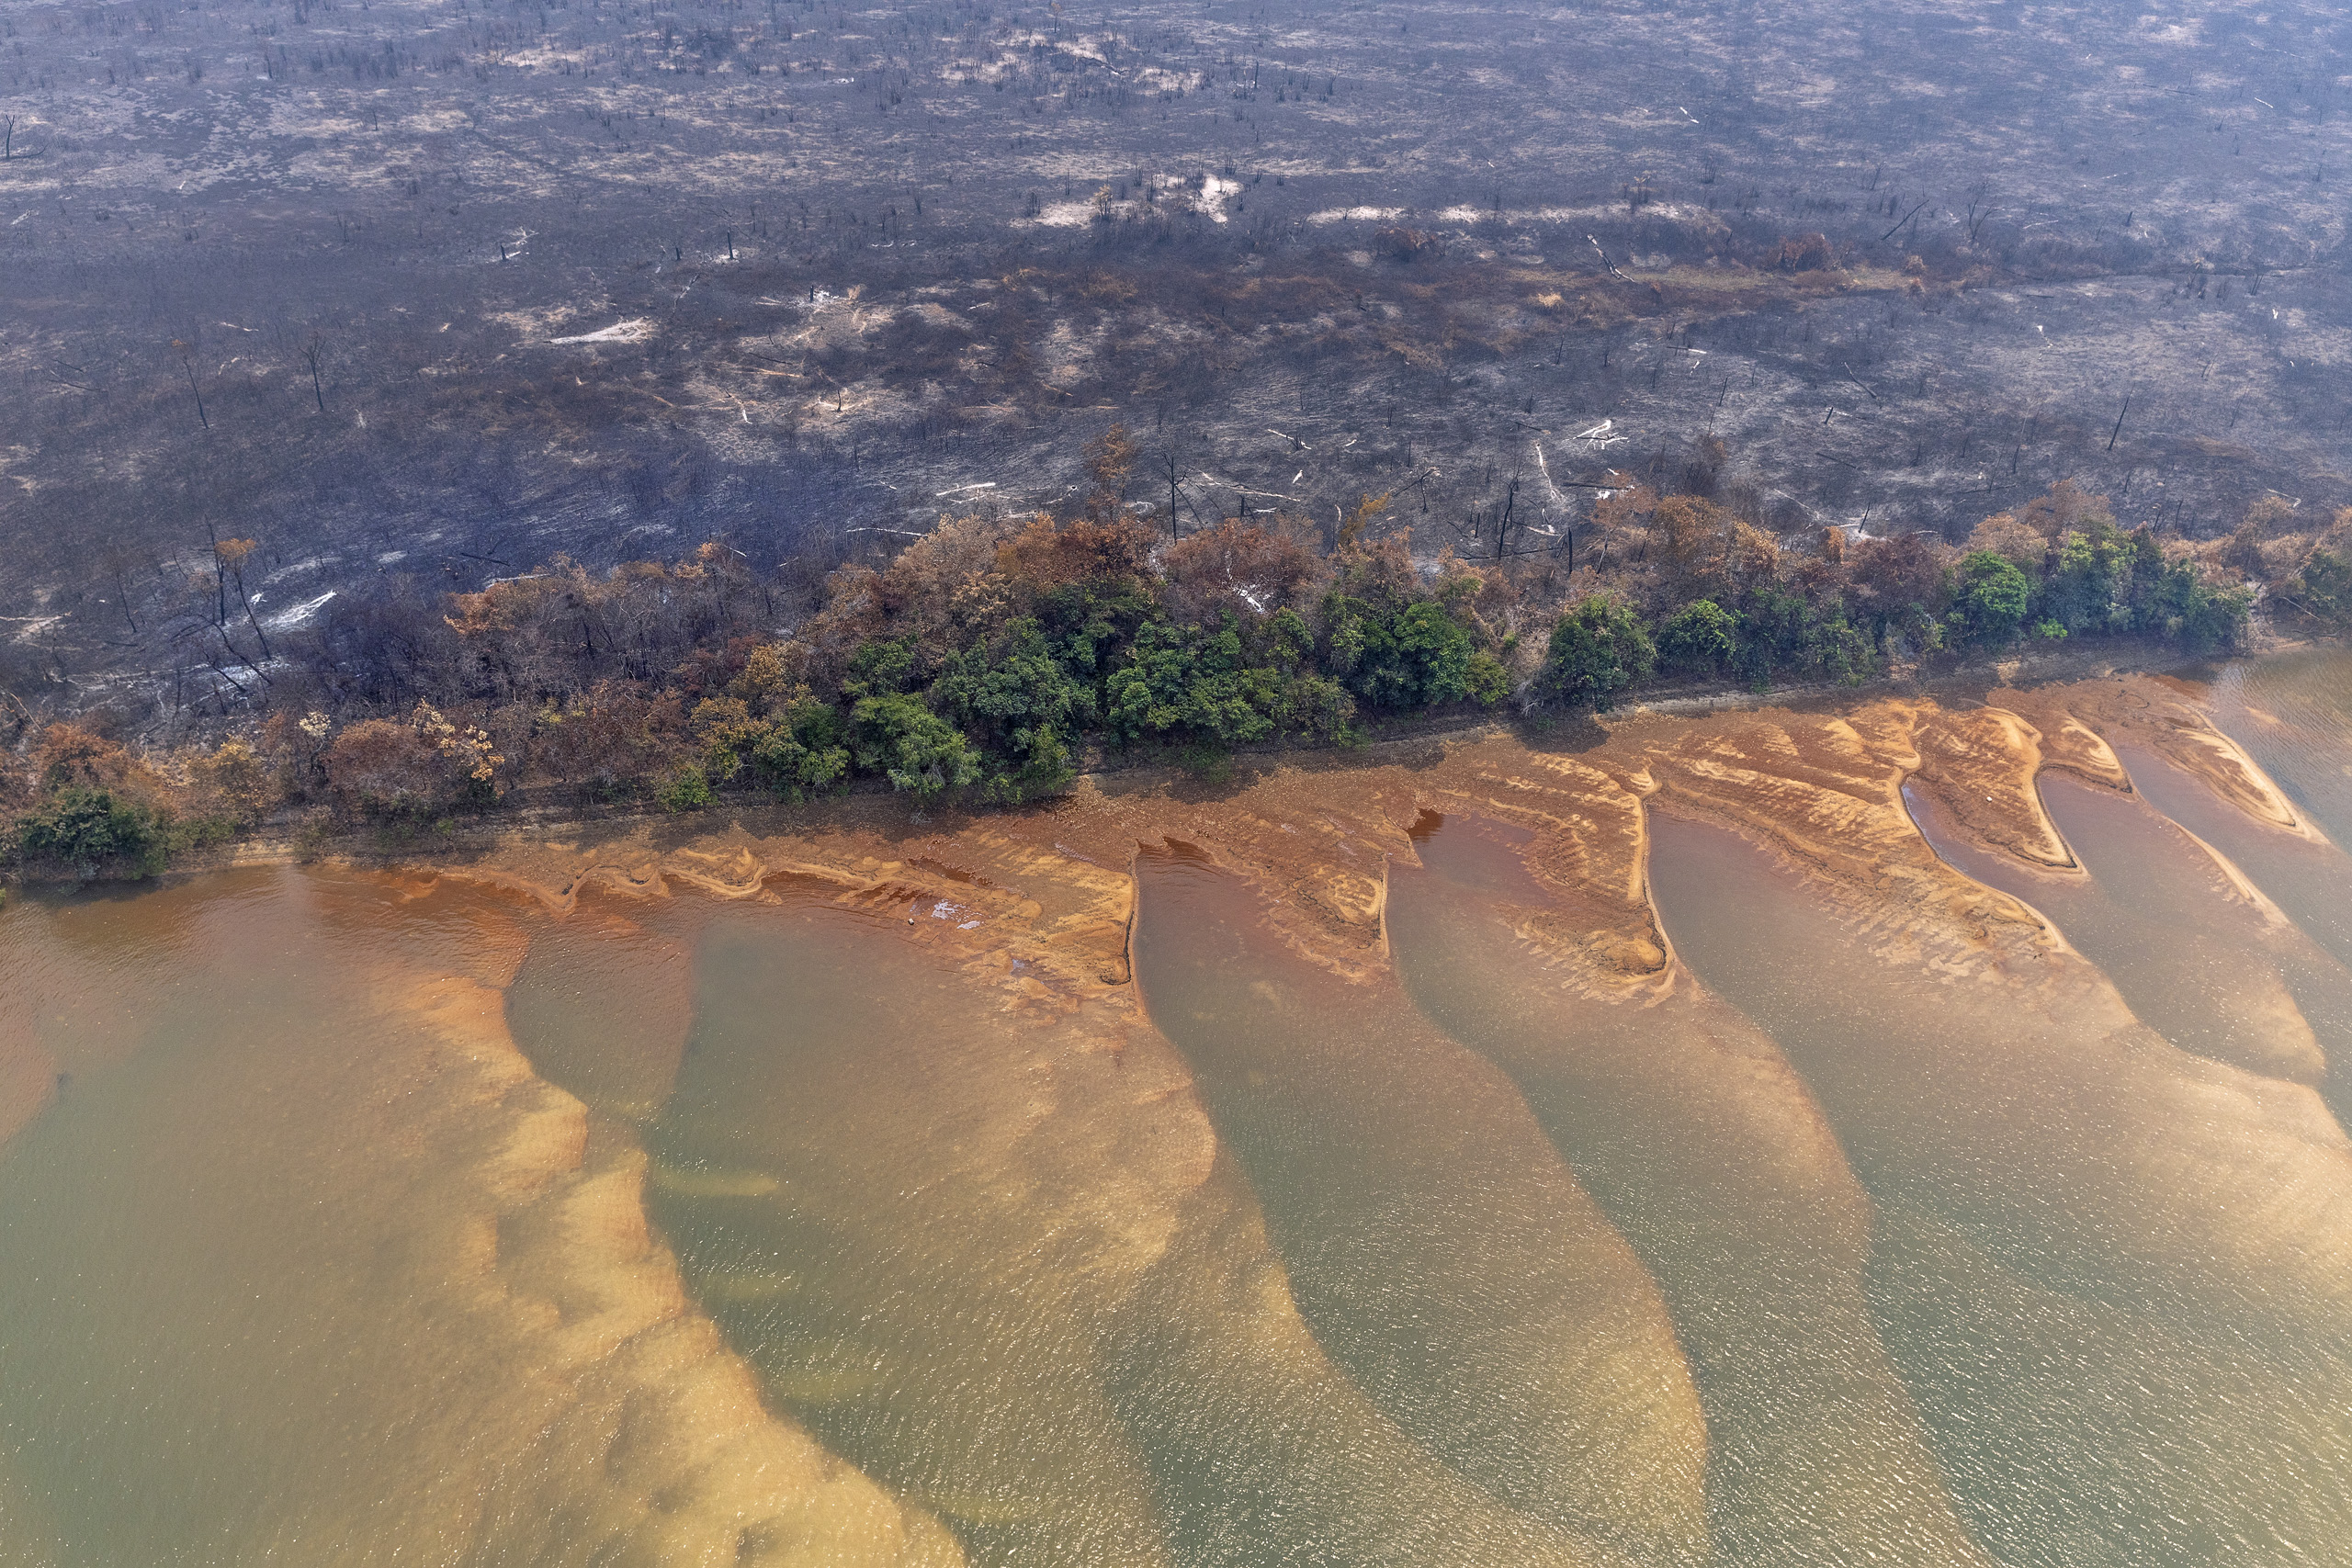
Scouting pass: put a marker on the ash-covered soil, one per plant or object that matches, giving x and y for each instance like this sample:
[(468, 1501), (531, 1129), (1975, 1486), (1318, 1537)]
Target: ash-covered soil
[(431, 292)]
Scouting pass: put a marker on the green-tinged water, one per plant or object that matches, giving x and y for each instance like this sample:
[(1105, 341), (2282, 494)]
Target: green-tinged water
[(351, 1220), (1704, 1147), (2115, 1277)]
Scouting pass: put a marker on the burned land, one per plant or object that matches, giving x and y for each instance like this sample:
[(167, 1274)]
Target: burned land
[(407, 298)]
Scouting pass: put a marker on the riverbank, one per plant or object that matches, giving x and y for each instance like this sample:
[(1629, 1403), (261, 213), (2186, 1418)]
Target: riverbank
[(298, 835)]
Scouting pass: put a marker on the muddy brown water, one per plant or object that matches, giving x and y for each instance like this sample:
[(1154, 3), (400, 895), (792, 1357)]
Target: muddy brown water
[(351, 1218)]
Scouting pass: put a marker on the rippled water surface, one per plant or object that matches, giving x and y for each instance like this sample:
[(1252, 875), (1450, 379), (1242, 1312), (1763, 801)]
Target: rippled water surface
[(355, 1219)]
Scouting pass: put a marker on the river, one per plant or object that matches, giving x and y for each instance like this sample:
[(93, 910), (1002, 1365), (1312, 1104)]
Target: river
[(1633, 1179)]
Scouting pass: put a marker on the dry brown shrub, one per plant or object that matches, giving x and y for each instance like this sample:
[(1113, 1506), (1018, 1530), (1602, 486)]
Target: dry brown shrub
[(294, 745), (605, 741), (1379, 572), (771, 672), (1803, 253), (1042, 556), (1244, 566), (383, 767), (1706, 549), (2008, 536), (918, 587), (1367, 509), (1887, 576), (68, 754), (1487, 595), (521, 602), (2065, 505), (1110, 459), (1627, 505), (235, 780), (2272, 516), (1408, 244)]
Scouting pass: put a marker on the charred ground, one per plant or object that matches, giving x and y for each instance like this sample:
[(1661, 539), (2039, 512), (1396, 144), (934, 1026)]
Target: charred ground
[(460, 286)]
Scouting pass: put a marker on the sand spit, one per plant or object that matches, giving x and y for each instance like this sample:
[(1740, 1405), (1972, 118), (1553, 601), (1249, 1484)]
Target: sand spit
[(2162, 715), (635, 1387)]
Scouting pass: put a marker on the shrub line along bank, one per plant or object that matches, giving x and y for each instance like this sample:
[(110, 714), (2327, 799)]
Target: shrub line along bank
[(985, 658)]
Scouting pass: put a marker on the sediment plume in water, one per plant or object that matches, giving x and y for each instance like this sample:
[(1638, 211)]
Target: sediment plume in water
[(912, 1202), (959, 1208), (1267, 1453), (1708, 1152)]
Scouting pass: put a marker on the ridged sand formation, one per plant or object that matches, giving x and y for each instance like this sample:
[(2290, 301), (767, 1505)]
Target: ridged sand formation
[(2156, 1180), (651, 1443), (413, 1304), (1900, 1106)]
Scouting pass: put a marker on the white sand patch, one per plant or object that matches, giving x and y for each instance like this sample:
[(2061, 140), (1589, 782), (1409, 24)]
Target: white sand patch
[(635, 329), (295, 616), (1157, 79), (1672, 211)]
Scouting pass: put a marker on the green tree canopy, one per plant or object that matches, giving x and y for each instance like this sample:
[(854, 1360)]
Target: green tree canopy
[(1598, 649), (1993, 598)]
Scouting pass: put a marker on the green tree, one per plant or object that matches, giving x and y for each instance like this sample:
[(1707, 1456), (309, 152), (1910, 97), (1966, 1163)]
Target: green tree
[(802, 751), (686, 787), (897, 737), (1315, 707), (880, 665), (1700, 638), (1488, 680), (1993, 599), (1178, 681), (1599, 648), (1024, 706), (1436, 649), (2090, 588), (89, 828), (1418, 656), (2188, 610), (2323, 590)]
